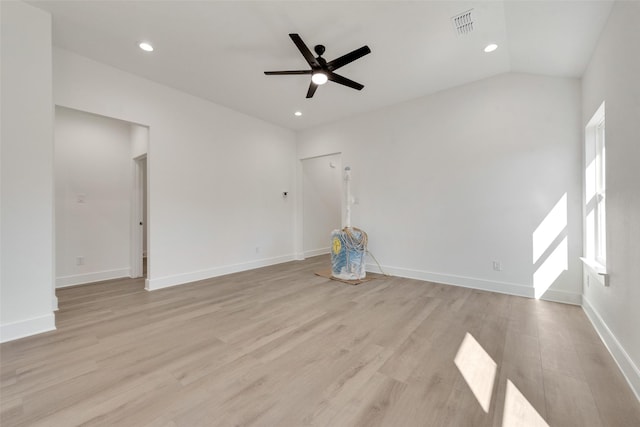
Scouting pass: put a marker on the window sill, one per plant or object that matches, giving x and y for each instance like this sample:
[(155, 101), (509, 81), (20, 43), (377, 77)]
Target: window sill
[(597, 268)]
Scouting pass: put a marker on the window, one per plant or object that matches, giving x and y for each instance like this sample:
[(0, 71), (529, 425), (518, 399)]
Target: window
[(595, 190)]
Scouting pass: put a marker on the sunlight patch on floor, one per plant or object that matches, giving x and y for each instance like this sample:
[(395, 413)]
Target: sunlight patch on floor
[(477, 368), (518, 412)]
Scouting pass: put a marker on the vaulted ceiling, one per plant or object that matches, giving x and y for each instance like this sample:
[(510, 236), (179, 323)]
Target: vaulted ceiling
[(218, 50)]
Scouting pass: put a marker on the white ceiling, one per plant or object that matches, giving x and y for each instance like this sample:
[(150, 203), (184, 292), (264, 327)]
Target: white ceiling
[(218, 50)]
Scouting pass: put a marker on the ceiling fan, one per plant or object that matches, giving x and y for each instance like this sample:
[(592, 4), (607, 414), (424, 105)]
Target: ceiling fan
[(321, 70)]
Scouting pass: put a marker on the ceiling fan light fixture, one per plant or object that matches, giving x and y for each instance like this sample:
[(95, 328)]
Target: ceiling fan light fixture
[(319, 78), (490, 47), (146, 47)]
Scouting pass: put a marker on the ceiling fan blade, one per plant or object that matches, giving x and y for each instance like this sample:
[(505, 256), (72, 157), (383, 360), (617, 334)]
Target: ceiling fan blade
[(312, 89), (337, 78), (349, 57), (304, 50), (284, 73)]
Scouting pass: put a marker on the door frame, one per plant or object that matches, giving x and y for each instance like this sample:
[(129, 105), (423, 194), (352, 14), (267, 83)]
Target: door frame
[(137, 220), (299, 217)]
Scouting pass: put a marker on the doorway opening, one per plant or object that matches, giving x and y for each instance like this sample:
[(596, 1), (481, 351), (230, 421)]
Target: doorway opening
[(321, 202), (95, 158)]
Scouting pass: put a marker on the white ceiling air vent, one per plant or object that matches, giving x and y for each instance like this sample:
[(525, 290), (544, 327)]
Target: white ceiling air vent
[(463, 22)]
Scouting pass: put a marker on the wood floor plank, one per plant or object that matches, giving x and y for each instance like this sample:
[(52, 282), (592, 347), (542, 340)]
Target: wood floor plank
[(569, 402), (281, 346), (372, 406), (607, 384), (326, 405)]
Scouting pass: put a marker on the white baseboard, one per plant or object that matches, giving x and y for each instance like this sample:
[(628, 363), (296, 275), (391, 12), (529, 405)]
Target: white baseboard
[(316, 252), (629, 370), (54, 303), (480, 284), (24, 328), (465, 282), (80, 279), (180, 279), (562, 296)]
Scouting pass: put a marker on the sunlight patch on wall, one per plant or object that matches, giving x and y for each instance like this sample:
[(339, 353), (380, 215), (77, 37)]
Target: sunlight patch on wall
[(551, 269), (550, 228), (550, 249), (477, 368), (518, 411)]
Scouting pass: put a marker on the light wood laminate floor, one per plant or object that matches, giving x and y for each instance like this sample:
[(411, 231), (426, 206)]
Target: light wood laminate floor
[(279, 346)]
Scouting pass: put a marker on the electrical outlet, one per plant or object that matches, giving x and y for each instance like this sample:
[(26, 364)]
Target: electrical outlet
[(80, 260), (497, 266)]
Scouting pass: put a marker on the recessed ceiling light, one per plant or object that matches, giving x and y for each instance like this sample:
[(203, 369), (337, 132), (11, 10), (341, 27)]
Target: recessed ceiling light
[(297, 113), (491, 47), (319, 78), (146, 47)]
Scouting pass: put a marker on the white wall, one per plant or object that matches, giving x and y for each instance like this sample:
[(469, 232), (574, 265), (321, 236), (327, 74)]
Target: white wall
[(26, 278), (322, 202), (215, 176), (93, 182), (139, 140), (612, 76), (451, 182)]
